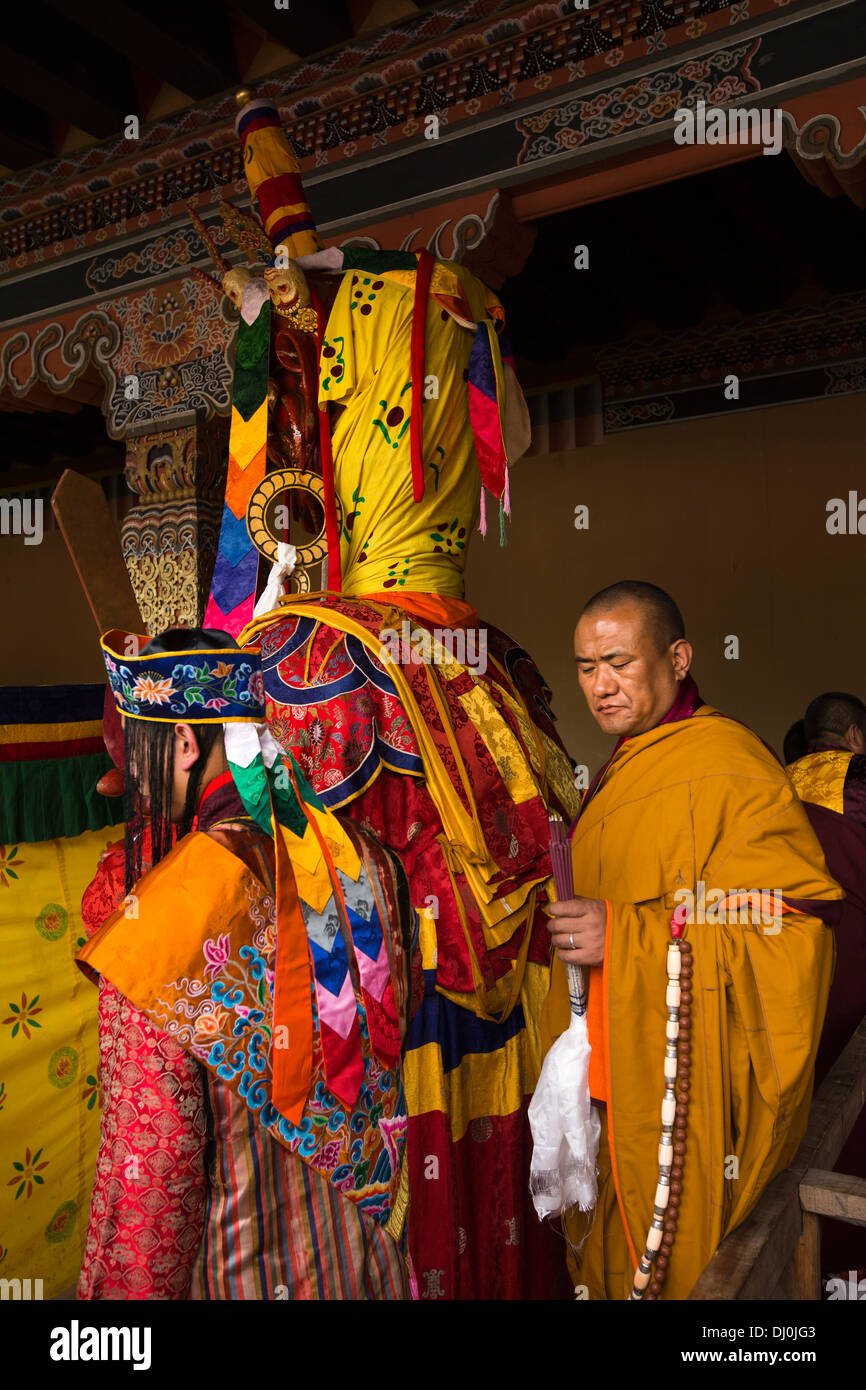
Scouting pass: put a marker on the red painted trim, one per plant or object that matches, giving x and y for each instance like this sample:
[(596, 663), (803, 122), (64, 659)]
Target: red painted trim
[(332, 530), (419, 333)]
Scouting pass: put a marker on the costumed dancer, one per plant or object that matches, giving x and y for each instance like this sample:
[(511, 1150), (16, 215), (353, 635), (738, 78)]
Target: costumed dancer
[(429, 727), (253, 994)]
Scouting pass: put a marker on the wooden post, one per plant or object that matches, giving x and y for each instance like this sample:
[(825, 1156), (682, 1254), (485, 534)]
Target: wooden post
[(752, 1260), (807, 1261)]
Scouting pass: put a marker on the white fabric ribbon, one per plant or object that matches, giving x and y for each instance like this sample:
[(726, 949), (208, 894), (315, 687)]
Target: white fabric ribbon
[(565, 1127), (281, 570)]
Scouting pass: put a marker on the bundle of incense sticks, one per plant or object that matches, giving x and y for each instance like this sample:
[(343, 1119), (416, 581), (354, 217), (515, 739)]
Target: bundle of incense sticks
[(560, 859)]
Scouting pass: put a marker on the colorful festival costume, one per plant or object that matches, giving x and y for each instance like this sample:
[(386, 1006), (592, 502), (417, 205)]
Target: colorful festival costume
[(209, 1183), (423, 725), (699, 804)]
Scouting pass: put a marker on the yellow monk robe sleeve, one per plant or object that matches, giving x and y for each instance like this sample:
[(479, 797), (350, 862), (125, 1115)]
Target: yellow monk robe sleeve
[(774, 965)]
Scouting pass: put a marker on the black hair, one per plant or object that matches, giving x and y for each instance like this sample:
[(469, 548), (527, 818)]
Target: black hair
[(832, 714), (796, 744), (149, 760), (665, 619)]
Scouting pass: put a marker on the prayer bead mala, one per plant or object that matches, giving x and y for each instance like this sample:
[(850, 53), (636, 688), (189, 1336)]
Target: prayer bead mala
[(653, 1265)]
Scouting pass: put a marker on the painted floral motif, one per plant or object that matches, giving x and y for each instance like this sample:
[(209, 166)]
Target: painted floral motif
[(395, 577), (364, 291), (27, 1174), (23, 1016), (4, 1096), (62, 1223), (63, 1067), (450, 537), (396, 416), (168, 335), (333, 361), (352, 516), (90, 1094), (52, 922), (8, 869)]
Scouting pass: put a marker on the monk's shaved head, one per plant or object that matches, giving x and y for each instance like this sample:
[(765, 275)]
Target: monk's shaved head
[(631, 655), (664, 621), (832, 715)]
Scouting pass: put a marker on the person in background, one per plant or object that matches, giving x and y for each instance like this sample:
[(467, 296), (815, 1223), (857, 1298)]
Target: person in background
[(830, 778)]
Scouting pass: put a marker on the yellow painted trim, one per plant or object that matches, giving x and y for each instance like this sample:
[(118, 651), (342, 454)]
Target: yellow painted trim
[(50, 733)]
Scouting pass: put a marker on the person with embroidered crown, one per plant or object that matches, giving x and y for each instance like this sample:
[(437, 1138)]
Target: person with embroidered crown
[(253, 994)]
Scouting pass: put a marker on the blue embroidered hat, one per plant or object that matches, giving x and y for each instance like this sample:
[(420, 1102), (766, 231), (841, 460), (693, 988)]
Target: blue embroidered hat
[(214, 685)]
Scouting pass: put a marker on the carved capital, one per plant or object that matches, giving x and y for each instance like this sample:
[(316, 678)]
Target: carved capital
[(170, 536)]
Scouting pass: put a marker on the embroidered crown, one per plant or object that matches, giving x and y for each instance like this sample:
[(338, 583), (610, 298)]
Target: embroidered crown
[(219, 684)]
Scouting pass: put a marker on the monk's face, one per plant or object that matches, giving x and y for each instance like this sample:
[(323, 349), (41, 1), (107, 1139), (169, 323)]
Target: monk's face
[(629, 684)]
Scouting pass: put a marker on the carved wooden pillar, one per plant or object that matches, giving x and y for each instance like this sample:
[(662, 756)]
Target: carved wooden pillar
[(170, 536)]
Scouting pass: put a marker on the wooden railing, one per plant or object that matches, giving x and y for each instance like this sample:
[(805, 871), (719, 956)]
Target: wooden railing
[(776, 1251)]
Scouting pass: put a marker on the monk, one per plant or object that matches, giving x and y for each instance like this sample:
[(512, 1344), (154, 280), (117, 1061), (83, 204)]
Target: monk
[(829, 776), (691, 815)]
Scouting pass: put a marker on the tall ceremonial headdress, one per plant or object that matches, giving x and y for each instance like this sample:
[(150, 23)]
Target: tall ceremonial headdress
[(274, 180)]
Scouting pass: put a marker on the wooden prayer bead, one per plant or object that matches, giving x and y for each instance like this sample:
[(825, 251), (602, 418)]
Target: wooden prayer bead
[(672, 1145)]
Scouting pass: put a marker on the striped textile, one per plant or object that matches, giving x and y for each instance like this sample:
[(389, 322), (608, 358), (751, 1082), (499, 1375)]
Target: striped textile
[(52, 754), (277, 1229), (274, 179), (233, 586)]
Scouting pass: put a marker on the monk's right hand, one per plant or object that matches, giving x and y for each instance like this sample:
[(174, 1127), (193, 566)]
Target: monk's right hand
[(577, 928)]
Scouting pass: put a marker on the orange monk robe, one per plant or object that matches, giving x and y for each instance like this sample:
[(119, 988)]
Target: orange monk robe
[(697, 799)]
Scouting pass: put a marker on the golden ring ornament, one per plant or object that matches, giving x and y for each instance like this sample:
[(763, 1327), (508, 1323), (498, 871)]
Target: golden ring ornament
[(263, 537)]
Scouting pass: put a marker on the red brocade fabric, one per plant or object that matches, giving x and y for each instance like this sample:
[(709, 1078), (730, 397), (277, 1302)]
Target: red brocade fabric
[(148, 1201), (481, 1238), (147, 1205)]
